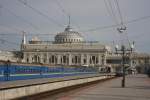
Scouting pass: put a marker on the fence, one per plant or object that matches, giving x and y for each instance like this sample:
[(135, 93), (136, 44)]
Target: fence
[(9, 72)]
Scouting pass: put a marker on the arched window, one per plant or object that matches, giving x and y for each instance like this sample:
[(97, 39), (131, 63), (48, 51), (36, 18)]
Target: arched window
[(49, 60), (36, 59), (53, 58), (45, 58), (64, 59), (27, 60)]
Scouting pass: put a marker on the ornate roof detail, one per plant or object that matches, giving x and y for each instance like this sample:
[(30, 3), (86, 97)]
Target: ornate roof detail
[(35, 39), (68, 36)]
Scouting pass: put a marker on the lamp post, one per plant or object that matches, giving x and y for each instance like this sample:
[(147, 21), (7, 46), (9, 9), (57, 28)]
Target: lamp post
[(7, 70), (124, 51)]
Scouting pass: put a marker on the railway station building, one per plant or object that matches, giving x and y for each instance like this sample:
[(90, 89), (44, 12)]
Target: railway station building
[(68, 48)]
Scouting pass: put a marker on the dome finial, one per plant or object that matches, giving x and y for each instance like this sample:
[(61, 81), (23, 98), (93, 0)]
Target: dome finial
[(68, 28), (69, 21)]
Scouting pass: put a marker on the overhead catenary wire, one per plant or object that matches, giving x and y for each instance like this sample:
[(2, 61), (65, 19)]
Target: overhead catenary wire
[(110, 10), (21, 18), (137, 19), (116, 25), (37, 29), (111, 13), (28, 34), (41, 13), (62, 8), (109, 26), (119, 11), (10, 28), (10, 42), (67, 14), (112, 26), (122, 23), (24, 20)]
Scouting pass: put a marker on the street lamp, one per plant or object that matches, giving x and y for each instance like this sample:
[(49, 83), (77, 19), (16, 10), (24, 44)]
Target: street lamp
[(7, 70), (123, 50)]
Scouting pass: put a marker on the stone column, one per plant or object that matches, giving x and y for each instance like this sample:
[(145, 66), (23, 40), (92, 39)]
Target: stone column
[(70, 59), (41, 58), (58, 59), (82, 57), (99, 59), (87, 59), (30, 58), (105, 59), (24, 57), (47, 58)]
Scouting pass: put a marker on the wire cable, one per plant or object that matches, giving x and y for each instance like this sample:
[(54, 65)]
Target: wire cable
[(115, 25), (29, 34), (21, 18), (62, 9), (13, 43), (65, 12), (110, 10), (10, 27), (122, 23), (119, 11), (41, 13)]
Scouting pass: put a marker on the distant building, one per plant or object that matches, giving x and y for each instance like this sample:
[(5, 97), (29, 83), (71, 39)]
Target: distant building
[(142, 62), (8, 55), (69, 48)]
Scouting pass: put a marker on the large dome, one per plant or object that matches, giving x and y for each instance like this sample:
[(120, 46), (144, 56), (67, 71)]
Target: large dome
[(68, 36)]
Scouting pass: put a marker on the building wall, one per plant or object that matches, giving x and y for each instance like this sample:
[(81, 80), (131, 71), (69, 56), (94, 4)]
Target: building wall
[(65, 54), (7, 55)]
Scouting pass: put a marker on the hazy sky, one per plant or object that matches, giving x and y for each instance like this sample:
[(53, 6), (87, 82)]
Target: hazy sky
[(50, 17)]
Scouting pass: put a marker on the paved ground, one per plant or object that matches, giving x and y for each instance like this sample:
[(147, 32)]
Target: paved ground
[(137, 88)]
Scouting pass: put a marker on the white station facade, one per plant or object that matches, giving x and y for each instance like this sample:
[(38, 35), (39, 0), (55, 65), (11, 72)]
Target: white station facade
[(68, 48)]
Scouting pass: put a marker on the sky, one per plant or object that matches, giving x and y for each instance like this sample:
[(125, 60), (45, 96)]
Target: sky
[(91, 18)]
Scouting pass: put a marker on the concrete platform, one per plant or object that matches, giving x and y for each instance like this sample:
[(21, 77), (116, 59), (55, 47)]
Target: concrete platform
[(22, 83), (13, 90), (137, 88)]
